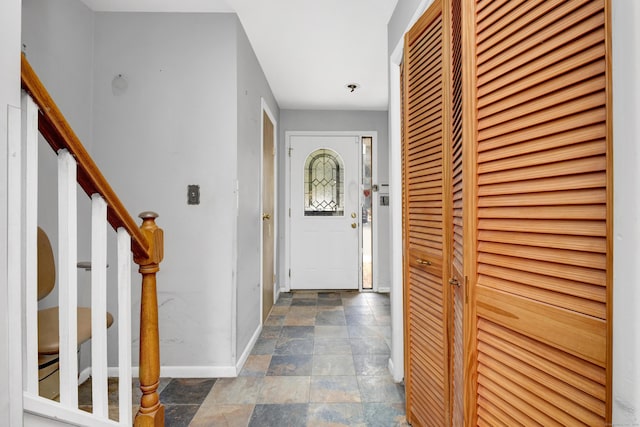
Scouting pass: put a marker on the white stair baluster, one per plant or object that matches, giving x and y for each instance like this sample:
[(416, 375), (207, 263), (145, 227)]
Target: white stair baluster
[(124, 325), (99, 306), (67, 278), (30, 153)]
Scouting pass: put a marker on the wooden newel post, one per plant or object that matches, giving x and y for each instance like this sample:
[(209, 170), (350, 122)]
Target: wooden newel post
[(151, 412)]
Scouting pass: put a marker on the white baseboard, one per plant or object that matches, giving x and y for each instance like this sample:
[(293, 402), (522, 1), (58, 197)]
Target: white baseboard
[(86, 373), (397, 376), (247, 350), (182, 371), (196, 371)]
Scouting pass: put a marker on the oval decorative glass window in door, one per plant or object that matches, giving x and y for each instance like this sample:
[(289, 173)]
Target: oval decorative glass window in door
[(324, 184)]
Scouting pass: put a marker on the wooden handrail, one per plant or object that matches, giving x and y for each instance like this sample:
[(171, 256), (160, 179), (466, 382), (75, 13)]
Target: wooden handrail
[(59, 134), (147, 242)]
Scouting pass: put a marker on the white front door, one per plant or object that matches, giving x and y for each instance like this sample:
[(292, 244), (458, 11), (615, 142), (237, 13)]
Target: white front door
[(325, 218)]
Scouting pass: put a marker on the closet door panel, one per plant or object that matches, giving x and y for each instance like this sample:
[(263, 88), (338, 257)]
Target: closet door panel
[(542, 290), (457, 285), (426, 309)]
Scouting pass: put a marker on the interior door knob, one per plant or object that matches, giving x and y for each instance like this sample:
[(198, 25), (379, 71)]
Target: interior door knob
[(354, 225), (266, 216)]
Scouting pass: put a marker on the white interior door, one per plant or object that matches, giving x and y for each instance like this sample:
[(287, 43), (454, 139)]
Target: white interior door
[(325, 218)]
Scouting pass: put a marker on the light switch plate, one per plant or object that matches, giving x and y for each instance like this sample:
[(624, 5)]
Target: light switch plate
[(193, 194)]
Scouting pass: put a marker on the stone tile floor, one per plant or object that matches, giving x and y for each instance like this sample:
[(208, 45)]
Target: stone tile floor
[(321, 360)]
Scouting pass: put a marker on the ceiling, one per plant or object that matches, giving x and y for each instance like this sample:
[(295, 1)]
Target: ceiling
[(309, 49)]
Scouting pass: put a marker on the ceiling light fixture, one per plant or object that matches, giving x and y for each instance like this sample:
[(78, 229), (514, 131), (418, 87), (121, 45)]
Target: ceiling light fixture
[(352, 87)]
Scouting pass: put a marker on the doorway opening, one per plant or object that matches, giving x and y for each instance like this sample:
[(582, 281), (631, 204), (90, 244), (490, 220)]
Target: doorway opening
[(268, 202), (366, 201), (330, 229)]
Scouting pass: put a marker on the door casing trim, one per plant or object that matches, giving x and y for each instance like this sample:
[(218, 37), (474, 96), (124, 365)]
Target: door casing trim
[(264, 109), (396, 360)]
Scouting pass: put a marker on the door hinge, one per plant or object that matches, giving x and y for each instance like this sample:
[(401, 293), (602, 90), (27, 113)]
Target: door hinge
[(289, 272), (290, 150), (289, 212)]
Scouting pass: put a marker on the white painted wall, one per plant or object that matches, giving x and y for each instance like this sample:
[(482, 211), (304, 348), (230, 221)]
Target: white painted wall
[(626, 155), (252, 87), (11, 388), (176, 125), (319, 120)]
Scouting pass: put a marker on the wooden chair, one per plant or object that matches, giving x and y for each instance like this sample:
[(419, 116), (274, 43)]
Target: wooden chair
[(48, 334)]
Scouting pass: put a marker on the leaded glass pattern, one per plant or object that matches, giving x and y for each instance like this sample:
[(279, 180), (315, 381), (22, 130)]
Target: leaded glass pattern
[(324, 184)]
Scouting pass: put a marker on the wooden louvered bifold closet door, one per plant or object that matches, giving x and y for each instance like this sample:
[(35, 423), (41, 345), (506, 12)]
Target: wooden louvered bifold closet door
[(456, 236), (543, 289), (425, 247)]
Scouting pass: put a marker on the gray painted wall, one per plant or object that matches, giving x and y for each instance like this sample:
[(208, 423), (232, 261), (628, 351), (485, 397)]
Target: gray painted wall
[(399, 20), (317, 120), (175, 125), (10, 389), (58, 36), (190, 115), (59, 44), (252, 86)]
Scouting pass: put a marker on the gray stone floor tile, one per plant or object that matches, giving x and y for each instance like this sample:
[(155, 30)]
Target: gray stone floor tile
[(333, 365), (279, 415), (290, 365), (304, 370), (293, 346), (385, 414), (334, 389), (369, 345), (332, 346), (187, 390), (336, 415)]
